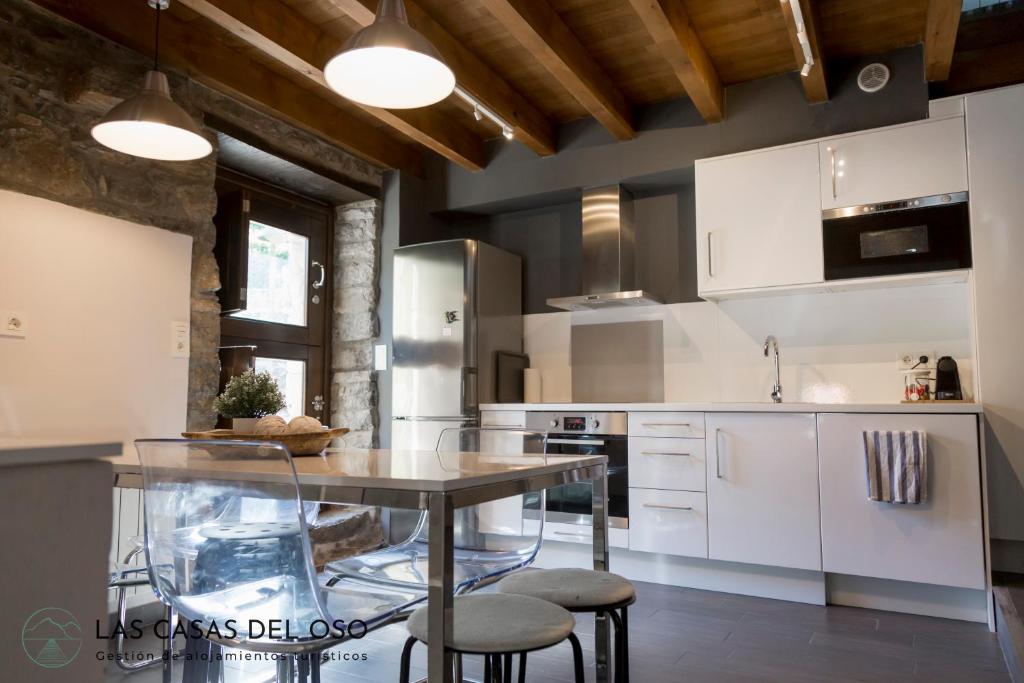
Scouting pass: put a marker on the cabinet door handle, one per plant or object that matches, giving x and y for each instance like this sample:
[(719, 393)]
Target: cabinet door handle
[(718, 455), (711, 270), (668, 507), (684, 455), (666, 424), (571, 534), (832, 163)]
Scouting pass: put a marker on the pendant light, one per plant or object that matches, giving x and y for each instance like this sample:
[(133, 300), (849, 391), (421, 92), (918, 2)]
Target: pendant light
[(389, 64), (150, 124)]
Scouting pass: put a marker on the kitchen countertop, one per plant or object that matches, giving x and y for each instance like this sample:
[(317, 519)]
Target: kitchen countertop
[(943, 407), (19, 450)]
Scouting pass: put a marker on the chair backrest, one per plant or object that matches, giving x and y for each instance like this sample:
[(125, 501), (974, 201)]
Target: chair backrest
[(505, 531), (226, 535)]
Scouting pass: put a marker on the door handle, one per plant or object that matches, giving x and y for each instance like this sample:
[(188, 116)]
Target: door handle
[(711, 270), (666, 424), (832, 163), (577, 442), (668, 507), (718, 455), (683, 455), (319, 282)]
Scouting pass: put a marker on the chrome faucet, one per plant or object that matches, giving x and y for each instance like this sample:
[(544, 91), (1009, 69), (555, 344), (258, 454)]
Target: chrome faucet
[(771, 343)]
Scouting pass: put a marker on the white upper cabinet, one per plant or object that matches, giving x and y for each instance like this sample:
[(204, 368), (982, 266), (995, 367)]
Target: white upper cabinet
[(917, 160), (759, 220), (762, 493)]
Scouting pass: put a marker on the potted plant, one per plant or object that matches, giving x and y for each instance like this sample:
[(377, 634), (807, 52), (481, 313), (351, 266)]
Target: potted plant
[(247, 398)]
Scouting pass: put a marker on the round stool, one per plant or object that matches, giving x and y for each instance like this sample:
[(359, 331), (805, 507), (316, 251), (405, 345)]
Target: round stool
[(498, 627), (582, 590)]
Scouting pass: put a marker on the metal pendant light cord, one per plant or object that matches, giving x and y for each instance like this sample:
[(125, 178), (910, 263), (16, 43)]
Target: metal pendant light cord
[(156, 41)]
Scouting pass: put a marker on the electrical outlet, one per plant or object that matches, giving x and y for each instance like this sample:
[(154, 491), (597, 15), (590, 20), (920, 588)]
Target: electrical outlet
[(911, 359), (179, 339), (14, 324)]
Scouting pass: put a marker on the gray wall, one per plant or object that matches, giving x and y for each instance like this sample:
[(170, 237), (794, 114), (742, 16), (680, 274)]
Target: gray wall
[(530, 205)]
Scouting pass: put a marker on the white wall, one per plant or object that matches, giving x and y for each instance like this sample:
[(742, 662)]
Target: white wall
[(99, 296), (835, 348)]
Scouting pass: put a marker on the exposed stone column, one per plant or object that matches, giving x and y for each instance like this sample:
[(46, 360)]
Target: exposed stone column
[(357, 229)]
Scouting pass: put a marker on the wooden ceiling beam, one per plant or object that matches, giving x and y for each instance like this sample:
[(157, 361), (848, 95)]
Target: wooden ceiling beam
[(676, 40), (815, 85), (538, 28), (227, 70), (278, 31), (941, 24), (530, 125)]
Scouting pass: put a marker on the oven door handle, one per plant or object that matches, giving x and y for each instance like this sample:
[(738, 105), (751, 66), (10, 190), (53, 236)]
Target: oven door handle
[(577, 442)]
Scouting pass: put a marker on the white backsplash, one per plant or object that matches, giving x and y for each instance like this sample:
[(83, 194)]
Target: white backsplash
[(835, 348)]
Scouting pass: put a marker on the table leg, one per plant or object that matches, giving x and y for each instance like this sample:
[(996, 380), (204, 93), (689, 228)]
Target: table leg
[(441, 572), (599, 507)]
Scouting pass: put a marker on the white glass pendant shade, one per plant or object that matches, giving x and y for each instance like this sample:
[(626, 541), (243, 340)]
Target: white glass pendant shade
[(389, 64), (152, 126)]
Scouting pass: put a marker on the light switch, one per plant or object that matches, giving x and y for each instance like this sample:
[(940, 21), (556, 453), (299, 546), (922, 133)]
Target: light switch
[(179, 340), (380, 357), (14, 324)]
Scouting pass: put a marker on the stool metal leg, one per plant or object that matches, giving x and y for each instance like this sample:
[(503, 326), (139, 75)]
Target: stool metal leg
[(406, 660), (522, 668), (618, 644), (496, 667), (625, 645), (508, 668), (577, 657), (458, 667), (487, 669)]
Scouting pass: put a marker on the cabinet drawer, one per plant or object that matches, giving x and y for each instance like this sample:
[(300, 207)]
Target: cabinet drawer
[(668, 522), (685, 425), (665, 463), (580, 533), (503, 418)]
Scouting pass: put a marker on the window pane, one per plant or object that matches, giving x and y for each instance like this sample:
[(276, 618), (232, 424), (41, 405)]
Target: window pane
[(290, 376), (276, 288)]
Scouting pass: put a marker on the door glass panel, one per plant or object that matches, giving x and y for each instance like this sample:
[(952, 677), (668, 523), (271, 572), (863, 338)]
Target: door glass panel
[(290, 376), (276, 287)]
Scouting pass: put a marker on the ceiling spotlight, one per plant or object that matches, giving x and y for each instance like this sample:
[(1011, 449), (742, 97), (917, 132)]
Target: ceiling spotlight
[(476, 114), (805, 70), (507, 132), (389, 64), (150, 124)]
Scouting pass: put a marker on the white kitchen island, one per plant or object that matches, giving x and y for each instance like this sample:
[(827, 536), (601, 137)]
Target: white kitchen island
[(770, 500)]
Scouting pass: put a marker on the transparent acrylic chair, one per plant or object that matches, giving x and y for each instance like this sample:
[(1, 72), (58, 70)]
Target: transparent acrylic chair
[(490, 540), (227, 539)]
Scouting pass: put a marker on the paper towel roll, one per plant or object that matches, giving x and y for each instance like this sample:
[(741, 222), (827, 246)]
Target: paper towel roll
[(531, 385)]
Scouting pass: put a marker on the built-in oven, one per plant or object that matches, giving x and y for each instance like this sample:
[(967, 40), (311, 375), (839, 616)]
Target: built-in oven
[(893, 238), (587, 434)]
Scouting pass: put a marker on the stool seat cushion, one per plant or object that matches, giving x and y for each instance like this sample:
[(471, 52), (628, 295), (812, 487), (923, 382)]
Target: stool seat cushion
[(493, 623), (573, 589)]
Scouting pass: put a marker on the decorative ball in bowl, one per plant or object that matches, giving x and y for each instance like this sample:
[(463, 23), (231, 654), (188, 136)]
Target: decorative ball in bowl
[(303, 435)]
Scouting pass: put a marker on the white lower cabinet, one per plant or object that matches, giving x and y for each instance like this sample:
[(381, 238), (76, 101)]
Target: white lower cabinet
[(668, 522), (939, 542), (657, 463), (762, 489)]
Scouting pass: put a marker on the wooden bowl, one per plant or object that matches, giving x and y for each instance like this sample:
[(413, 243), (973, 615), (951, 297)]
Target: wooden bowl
[(299, 443)]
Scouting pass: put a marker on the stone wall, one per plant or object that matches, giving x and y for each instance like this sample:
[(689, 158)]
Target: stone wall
[(56, 81), (357, 229), (50, 96)]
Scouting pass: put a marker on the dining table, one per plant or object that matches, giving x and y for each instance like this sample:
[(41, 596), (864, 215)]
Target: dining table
[(438, 483)]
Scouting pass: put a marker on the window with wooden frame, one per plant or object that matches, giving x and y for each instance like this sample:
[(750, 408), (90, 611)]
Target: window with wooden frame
[(274, 251)]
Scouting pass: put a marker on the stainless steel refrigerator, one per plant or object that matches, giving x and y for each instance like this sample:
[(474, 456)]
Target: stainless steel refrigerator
[(456, 304)]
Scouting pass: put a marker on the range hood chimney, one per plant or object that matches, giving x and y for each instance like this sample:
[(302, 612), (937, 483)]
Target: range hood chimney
[(609, 242)]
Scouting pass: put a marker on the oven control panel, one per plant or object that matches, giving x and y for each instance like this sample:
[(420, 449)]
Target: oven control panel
[(577, 423)]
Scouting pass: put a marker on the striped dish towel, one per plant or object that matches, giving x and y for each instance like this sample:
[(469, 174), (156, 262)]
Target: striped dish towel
[(897, 466)]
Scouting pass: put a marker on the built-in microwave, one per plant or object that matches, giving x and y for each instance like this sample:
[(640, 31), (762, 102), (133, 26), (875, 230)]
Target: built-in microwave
[(893, 238)]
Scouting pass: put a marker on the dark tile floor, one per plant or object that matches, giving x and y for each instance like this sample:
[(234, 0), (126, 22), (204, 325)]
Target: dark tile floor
[(679, 634)]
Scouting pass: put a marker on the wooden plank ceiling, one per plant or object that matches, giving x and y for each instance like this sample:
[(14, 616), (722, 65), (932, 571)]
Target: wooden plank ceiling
[(536, 63)]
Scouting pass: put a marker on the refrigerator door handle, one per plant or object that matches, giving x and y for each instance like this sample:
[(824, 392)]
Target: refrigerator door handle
[(469, 382)]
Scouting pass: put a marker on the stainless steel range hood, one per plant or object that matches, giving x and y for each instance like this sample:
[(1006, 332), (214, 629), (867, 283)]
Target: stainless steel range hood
[(608, 253)]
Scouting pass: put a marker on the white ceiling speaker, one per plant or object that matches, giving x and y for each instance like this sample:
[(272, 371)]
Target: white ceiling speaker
[(873, 77)]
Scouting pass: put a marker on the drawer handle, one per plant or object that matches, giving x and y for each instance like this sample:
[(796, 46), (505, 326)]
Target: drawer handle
[(681, 455), (569, 533), (666, 424), (668, 507)]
